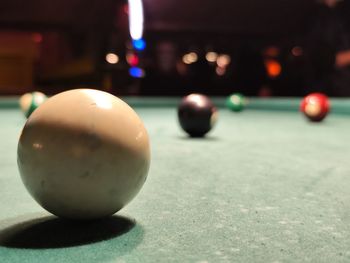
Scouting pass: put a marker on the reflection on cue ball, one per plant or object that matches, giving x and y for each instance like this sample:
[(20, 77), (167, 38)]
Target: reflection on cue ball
[(83, 154)]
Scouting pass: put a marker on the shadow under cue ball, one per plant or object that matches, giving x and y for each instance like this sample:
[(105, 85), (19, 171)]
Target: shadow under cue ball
[(83, 154), (197, 114)]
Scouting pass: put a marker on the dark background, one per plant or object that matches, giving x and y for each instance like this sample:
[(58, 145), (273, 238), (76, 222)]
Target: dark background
[(56, 45)]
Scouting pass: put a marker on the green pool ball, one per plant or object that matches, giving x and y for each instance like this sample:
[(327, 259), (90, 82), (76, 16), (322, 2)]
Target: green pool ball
[(30, 101), (236, 102)]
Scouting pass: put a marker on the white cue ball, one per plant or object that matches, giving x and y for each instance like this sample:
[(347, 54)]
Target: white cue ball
[(83, 154)]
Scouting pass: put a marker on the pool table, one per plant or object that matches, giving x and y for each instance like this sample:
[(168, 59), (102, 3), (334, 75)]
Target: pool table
[(265, 185)]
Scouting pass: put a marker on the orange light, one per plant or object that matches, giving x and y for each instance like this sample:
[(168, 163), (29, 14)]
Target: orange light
[(271, 51), (273, 68)]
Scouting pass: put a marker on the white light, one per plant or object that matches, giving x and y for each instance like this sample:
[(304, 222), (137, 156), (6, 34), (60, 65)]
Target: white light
[(190, 58), (112, 58), (135, 19), (223, 60), (186, 60), (211, 56)]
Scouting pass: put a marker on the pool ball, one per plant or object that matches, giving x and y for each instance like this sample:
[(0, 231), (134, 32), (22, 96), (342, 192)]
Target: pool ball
[(197, 114), (315, 106), (30, 101), (83, 154), (236, 102)]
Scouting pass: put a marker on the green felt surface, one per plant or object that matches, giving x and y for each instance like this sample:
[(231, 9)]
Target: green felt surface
[(264, 186)]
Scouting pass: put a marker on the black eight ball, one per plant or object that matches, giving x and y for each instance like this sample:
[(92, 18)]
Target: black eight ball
[(197, 114)]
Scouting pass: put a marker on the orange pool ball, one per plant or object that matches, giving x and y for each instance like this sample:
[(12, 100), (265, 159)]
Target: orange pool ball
[(315, 106)]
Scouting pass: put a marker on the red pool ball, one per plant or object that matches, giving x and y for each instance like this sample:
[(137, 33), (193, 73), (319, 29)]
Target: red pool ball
[(315, 106)]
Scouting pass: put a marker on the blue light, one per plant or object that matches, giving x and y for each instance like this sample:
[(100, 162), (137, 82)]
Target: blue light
[(139, 44), (136, 72)]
